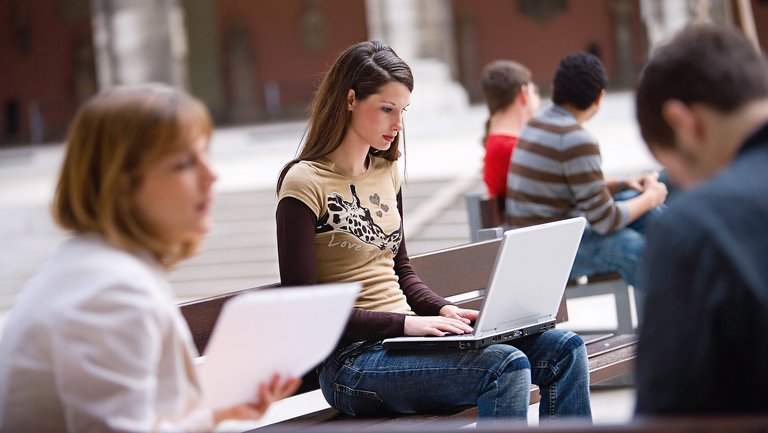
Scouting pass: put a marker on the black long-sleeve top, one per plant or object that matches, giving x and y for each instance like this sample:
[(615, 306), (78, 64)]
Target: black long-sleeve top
[(296, 225)]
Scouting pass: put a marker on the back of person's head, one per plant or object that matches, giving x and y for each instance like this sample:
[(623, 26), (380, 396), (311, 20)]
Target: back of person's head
[(579, 81), (703, 64), (364, 67), (502, 81), (113, 140)]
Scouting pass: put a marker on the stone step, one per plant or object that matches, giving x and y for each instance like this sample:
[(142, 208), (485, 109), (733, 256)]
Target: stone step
[(224, 271)]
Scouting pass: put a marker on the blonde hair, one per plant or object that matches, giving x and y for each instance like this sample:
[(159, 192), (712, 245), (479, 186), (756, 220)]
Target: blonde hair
[(114, 138)]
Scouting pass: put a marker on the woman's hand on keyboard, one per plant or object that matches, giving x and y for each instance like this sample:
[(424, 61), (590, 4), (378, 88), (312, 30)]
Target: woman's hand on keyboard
[(464, 314), (419, 326)]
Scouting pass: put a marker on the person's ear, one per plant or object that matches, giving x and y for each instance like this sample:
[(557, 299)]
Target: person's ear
[(523, 94), (600, 97), (350, 99), (684, 122)]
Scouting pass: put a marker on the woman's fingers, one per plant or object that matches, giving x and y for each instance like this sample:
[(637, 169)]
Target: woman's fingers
[(435, 325), (279, 388), (276, 389), (454, 326), (269, 392)]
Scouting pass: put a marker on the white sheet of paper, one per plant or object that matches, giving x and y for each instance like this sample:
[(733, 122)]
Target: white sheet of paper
[(286, 331)]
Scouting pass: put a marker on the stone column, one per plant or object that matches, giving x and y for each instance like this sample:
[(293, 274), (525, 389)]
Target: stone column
[(625, 43), (421, 32), (664, 18), (139, 41), (204, 56), (241, 68)]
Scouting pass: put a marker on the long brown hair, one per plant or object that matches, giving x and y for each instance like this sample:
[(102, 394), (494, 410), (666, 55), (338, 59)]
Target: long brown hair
[(114, 139), (364, 68)]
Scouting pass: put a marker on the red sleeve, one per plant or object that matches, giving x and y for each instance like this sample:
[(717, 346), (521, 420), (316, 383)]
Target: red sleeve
[(298, 266), (498, 152)]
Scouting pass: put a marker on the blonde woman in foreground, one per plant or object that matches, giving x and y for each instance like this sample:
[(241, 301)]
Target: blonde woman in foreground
[(95, 341)]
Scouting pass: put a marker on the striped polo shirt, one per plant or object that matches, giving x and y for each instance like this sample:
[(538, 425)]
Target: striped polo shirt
[(555, 173)]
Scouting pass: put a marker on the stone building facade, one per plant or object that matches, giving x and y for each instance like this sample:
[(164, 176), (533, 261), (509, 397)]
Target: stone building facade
[(256, 61)]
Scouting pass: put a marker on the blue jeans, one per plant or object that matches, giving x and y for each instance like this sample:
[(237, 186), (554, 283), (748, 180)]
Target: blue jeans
[(364, 379), (620, 251)]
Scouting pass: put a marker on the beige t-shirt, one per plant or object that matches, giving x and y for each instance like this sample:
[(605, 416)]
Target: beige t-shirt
[(358, 229)]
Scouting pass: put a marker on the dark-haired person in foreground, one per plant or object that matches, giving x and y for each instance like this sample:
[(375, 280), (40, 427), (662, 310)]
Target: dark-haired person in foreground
[(556, 173), (702, 105)]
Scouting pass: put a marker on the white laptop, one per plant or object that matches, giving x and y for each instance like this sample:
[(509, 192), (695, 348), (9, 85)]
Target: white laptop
[(524, 292), (284, 330)]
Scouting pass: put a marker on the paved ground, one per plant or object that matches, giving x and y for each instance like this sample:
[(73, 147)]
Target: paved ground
[(443, 154), (241, 250)]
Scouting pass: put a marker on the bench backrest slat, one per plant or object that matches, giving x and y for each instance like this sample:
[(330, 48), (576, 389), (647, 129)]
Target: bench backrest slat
[(463, 269), (453, 271), (445, 271), (458, 270), (488, 211), (201, 314)]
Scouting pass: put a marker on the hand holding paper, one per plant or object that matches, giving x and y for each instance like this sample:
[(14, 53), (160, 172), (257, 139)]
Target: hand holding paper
[(267, 332), (276, 389)]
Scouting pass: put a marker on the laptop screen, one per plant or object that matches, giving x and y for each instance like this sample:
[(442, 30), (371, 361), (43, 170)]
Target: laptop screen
[(530, 274)]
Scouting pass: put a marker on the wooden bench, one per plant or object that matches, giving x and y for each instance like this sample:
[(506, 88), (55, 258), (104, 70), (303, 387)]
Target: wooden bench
[(610, 355), (485, 218), (704, 424)]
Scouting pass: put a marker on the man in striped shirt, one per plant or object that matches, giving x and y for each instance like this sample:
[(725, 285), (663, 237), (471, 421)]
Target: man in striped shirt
[(555, 173)]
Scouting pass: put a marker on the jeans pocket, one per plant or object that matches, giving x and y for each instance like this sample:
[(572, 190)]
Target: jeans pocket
[(357, 402), (347, 351), (347, 354)]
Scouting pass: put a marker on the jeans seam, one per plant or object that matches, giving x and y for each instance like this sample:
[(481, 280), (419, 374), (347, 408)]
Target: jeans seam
[(552, 400), (452, 369)]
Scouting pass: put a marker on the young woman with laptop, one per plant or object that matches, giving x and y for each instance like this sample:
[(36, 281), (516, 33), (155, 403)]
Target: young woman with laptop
[(339, 218)]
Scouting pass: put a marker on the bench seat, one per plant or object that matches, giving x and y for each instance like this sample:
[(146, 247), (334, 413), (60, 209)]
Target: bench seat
[(459, 274), (701, 424)]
